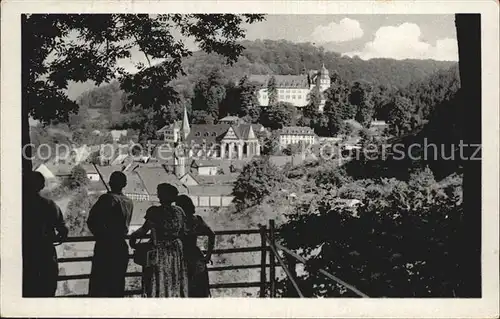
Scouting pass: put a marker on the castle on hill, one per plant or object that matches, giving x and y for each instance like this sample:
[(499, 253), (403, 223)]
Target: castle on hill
[(293, 89)]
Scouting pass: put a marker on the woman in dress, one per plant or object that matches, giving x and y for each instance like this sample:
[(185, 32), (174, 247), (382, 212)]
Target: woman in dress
[(196, 261), (165, 274)]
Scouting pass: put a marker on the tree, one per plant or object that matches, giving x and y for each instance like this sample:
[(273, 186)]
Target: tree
[(202, 117), (257, 180), (401, 116), (272, 91), (248, 103), (278, 115), (230, 104), (361, 99), (209, 93), (270, 144), (78, 178), (77, 213), (94, 158), (311, 110)]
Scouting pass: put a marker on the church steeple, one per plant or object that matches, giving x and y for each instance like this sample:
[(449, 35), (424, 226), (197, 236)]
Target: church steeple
[(185, 128), (324, 71)]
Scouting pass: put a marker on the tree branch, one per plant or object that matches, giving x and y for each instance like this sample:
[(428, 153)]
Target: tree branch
[(142, 50)]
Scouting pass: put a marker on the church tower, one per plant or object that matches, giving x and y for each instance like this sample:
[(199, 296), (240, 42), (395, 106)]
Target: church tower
[(185, 128), (179, 152), (324, 82)]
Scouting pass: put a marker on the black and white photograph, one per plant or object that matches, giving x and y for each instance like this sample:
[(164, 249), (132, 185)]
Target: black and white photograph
[(255, 154)]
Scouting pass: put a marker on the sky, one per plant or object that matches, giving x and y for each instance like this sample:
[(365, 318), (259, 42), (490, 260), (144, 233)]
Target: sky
[(366, 36)]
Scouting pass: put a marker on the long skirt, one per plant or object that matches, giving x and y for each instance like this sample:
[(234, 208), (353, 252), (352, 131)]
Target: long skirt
[(40, 271), (166, 273), (197, 272), (109, 267)]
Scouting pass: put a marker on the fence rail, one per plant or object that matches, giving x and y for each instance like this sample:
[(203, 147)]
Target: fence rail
[(268, 247)]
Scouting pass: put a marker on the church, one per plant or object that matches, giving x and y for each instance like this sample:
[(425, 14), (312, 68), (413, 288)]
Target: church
[(231, 138), (293, 89)]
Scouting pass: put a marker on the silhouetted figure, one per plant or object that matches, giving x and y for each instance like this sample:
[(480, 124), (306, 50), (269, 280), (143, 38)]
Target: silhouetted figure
[(165, 273), (43, 224), (108, 221), (196, 261)]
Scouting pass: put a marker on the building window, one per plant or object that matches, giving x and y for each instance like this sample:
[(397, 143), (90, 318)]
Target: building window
[(293, 96), (288, 97)]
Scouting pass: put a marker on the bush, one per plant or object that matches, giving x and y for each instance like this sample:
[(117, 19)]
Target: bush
[(401, 241), (78, 178), (257, 180)]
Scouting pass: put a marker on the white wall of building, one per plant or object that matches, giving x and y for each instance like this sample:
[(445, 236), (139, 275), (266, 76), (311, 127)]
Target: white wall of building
[(295, 96), (208, 170), (94, 177), (287, 139)]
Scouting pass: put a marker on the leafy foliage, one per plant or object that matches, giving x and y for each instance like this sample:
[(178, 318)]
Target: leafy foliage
[(278, 115), (209, 94), (257, 180), (77, 179), (367, 245), (272, 91), (77, 213), (249, 108)]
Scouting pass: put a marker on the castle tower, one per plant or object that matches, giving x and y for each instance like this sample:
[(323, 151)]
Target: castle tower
[(185, 128), (324, 82)]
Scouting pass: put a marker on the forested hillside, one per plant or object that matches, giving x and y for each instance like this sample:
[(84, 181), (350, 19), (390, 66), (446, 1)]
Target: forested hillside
[(283, 57)]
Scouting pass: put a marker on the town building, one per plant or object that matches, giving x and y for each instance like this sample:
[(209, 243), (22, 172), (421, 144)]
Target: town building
[(231, 138), (293, 89), (117, 134), (290, 135)]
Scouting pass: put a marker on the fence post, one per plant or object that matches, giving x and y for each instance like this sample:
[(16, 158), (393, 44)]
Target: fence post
[(272, 260), (263, 255), (292, 266)]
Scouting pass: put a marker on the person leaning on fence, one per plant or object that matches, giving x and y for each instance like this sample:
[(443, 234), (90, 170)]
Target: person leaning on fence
[(196, 261), (43, 224), (165, 270), (109, 220)]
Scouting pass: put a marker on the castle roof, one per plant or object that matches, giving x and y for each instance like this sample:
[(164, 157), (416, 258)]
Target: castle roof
[(282, 81), (297, 130)]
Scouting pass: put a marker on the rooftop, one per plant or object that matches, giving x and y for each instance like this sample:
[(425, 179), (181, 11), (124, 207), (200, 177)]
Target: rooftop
[(297, 130), (226, 179), (151, 176), (211, 133), (210, 190), (282, 81)]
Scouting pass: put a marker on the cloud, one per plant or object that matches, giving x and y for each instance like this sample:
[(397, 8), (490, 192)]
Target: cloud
[(404, 42), (346, 30)]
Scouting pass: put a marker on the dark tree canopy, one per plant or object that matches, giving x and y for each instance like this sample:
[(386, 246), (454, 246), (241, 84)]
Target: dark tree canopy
[(272, 91)]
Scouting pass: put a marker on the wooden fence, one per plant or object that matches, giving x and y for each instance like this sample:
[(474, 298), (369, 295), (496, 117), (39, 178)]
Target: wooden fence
[(268, 245)]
